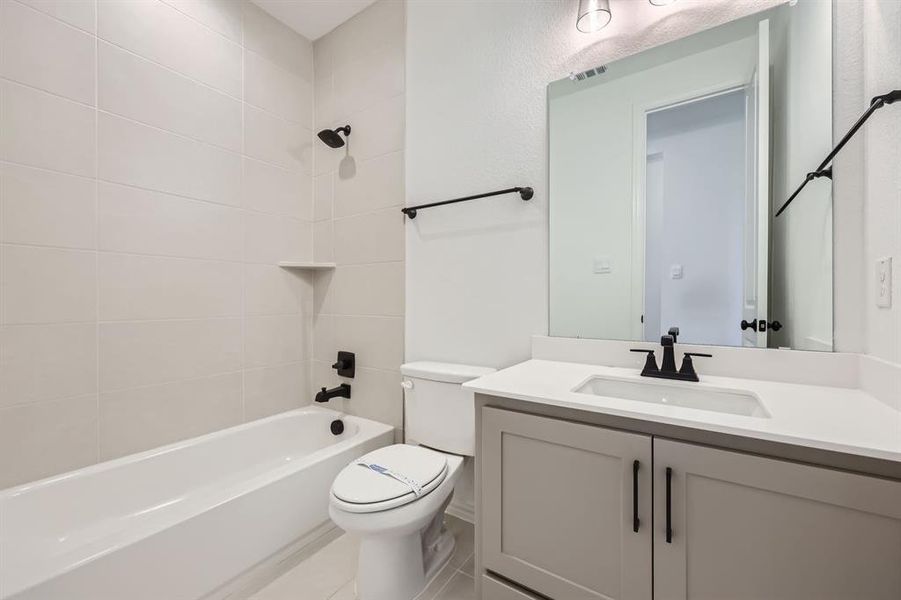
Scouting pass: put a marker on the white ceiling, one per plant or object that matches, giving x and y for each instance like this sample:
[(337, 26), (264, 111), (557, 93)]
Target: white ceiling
[(312, 18)]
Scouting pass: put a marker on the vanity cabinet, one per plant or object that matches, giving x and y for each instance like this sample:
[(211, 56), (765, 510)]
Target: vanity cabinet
[(748, 527), (559, 501), (558, 507)]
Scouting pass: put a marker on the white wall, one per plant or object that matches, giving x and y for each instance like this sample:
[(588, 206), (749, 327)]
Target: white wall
[(700, 209), (882, 73), (476, 121), (358, 192), (154, 167), (867, 181)]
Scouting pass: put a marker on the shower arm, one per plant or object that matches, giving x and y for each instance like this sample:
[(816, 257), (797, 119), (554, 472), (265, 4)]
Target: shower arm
[(824, 171)]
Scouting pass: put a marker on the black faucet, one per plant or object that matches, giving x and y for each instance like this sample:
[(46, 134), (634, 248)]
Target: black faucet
[(667, 369), (342, 391)]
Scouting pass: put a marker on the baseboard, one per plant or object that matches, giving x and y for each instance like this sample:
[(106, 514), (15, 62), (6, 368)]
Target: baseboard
[(262, 574), (462, 511)]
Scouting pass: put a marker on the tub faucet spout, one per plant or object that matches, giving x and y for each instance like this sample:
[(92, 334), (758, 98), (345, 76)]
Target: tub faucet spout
[(342, 391)]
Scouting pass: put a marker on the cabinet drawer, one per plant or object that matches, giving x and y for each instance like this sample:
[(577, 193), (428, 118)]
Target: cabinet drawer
[(493, 589)]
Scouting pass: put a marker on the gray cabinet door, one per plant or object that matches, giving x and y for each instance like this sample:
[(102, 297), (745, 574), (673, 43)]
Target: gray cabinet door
[(557, 507), (751, 528)]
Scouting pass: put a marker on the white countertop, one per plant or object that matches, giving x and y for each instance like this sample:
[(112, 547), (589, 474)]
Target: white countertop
[(827, 418)]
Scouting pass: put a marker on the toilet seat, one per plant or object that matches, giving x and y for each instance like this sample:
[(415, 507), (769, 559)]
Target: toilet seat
[(358, 489)]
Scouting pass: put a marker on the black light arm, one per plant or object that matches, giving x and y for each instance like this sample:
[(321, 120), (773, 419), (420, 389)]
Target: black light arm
[(525, 193), (822, 171)]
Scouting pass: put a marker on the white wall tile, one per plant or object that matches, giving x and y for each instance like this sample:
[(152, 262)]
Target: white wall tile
[(323, 103), (46, 208), (376, 289), (368, 238), (139, 221), (275, 140), (175, 246), (275, 340), (382, 400), (78, 13), (138, 419), (274, 190), (277, 90), (379, 129), (134, 354), (374, 77), (224, 16), (272, 290), (38, 50), (378, 184), (136, 88), (146, 157), (47, 285), (380, 26), (272, 390), (47, 362), (323, 241), (135, 287), (323, 195), (44, 130), (58, 436), (270, 239), (162, 34), (325, 345), (268, 37), (377, 341)]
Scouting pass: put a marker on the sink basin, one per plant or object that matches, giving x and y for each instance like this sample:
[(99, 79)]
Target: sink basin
[(733, 402)]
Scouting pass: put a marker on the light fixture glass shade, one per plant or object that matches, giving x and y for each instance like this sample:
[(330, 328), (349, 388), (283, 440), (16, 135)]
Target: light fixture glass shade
[(593, 15), (661, 2)]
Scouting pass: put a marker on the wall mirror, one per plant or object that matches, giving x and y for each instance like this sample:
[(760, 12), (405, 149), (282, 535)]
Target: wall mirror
[(666, 170)]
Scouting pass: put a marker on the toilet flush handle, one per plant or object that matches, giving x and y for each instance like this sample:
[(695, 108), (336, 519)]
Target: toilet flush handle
[(406, 384)]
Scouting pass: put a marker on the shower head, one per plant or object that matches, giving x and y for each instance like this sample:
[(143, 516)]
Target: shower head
[(331, 137)]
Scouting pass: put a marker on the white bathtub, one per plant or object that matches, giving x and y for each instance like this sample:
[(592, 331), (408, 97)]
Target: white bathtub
[(178, 522)]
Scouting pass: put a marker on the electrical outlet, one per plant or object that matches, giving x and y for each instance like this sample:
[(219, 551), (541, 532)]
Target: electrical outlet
[(884, 282)]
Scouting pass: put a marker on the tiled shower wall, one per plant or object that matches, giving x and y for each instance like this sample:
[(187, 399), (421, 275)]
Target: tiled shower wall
[(155, 165), (358, 192)]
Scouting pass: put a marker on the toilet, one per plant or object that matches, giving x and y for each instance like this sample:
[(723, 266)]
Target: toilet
[(393, 499)]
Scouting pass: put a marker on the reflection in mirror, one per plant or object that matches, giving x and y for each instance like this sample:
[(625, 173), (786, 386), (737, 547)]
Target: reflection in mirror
[(664, 172)]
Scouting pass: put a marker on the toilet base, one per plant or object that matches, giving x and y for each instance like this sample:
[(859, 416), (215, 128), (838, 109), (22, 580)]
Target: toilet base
[(400, 567)]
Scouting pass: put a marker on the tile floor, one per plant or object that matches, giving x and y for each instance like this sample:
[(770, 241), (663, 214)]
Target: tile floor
[(329, 573)]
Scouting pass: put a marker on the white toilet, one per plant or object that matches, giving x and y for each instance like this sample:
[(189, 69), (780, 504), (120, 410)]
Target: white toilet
[(399, 514)]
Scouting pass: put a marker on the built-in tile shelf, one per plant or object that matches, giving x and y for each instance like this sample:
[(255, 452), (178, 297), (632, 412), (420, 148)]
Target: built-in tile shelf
[(310, 266)]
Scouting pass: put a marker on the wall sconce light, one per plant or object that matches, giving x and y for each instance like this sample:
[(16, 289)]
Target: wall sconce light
[(593, 15)]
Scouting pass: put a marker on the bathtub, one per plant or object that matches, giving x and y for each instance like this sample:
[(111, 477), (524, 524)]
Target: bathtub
[(181, 521)]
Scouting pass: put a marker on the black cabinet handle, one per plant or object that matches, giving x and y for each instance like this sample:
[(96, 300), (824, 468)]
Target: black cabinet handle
[(636, 522), (669, 505), (749, 325)]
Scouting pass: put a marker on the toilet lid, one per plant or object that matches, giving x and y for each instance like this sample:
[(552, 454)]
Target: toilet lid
[(362, 489)]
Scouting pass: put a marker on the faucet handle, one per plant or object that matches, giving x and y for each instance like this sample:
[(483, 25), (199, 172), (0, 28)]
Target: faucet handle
[(688, 366), (650, 364), (667, 340), (674, 331)]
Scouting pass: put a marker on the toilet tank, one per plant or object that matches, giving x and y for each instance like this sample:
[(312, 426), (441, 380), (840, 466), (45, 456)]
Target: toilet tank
[(439, 413)]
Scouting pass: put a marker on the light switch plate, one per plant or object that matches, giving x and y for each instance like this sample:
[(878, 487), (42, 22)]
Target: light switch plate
[(884, 282), (603, 265)]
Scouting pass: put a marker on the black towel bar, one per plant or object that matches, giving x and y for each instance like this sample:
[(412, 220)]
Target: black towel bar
[(525, 193)]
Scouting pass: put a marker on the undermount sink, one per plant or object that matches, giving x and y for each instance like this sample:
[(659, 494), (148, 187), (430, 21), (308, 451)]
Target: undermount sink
[(733, 402)]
